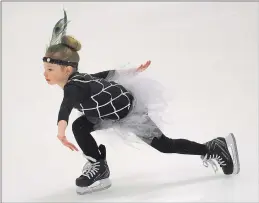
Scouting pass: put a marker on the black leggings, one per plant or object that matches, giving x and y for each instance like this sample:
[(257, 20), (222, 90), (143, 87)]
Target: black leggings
[(82, 129)]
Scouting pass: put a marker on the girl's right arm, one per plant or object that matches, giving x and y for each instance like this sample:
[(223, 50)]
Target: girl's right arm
[(62, 125), (71, 96)]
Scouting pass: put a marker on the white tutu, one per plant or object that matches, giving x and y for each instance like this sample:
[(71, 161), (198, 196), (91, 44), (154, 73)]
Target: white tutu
[(149, 106)]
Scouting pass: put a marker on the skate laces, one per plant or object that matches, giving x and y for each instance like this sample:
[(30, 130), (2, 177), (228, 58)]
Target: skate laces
[(86, 167), (90, 169), (208, 159)]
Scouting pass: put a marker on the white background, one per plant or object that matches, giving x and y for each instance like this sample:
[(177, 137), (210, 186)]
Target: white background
[(205, 53)]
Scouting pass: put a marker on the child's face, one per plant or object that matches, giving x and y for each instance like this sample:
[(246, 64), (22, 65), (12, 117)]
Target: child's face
[(55, 74)]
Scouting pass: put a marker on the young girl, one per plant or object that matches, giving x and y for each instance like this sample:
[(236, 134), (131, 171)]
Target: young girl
[(114, 99)]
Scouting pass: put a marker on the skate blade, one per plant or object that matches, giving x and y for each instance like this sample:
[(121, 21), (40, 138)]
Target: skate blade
[(231, 142), (96, 187)]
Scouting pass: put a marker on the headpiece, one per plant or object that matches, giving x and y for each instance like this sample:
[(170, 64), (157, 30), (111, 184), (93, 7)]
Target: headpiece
[(58, 32)]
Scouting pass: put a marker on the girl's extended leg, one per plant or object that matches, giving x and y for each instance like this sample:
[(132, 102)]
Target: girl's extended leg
[(179, 146), (215, 149), (167, 145)]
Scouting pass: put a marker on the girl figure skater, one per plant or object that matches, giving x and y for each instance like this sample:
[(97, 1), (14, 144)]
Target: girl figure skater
[(114, 99)]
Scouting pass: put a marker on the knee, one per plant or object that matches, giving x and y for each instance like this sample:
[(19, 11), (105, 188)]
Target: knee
[(160, 148), (161, 144), (81, 125), (77, 124)]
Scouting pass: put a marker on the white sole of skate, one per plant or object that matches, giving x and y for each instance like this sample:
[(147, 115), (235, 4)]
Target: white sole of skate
[(95, 187), (231, 142)]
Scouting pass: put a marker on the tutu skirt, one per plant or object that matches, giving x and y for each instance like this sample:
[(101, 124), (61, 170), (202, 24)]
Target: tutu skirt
[(149, 106)]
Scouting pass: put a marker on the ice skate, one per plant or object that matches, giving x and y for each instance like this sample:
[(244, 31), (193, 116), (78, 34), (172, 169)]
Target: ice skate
[(95, 175), (219, 151)]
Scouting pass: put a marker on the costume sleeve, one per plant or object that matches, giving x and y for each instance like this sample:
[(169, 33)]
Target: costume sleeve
[(71, 96), (104, 74)]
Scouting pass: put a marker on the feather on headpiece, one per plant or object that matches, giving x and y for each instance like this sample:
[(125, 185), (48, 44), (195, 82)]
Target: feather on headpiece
[(59, 30)]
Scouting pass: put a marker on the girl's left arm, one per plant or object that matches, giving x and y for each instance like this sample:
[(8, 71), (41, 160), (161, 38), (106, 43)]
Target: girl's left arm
[(104, 74)]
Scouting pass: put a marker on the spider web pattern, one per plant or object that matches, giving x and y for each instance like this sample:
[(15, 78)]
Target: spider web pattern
[(103, 90)]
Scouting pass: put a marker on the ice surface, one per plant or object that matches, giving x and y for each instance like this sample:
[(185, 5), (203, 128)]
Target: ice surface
[(205, 53)]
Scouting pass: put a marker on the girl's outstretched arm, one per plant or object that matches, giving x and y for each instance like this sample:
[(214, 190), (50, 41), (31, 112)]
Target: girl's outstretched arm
[(103, 74), (143, 67), (111, 73)]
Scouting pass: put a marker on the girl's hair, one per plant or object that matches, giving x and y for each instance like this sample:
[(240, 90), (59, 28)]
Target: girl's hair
[(67, 50)]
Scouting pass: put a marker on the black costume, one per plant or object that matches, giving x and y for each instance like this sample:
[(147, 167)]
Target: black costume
[(95, 97)]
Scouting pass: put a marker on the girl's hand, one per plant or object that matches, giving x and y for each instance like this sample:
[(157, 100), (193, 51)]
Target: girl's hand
[(65, 142), (143, 67)]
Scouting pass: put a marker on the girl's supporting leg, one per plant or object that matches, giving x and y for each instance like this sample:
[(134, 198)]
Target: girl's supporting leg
[(96, 171), (82, 129)]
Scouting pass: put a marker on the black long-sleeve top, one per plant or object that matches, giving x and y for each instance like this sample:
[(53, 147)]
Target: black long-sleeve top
[(95, 96)]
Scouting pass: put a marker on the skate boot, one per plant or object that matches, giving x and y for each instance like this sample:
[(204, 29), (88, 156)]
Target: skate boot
[(218, 150), (95, 175)]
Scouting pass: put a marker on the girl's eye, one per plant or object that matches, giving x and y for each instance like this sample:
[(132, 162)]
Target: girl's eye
[(50, 69)]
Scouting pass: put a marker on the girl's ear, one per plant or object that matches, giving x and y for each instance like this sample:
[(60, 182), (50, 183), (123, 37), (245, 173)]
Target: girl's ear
[(69, 70)]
